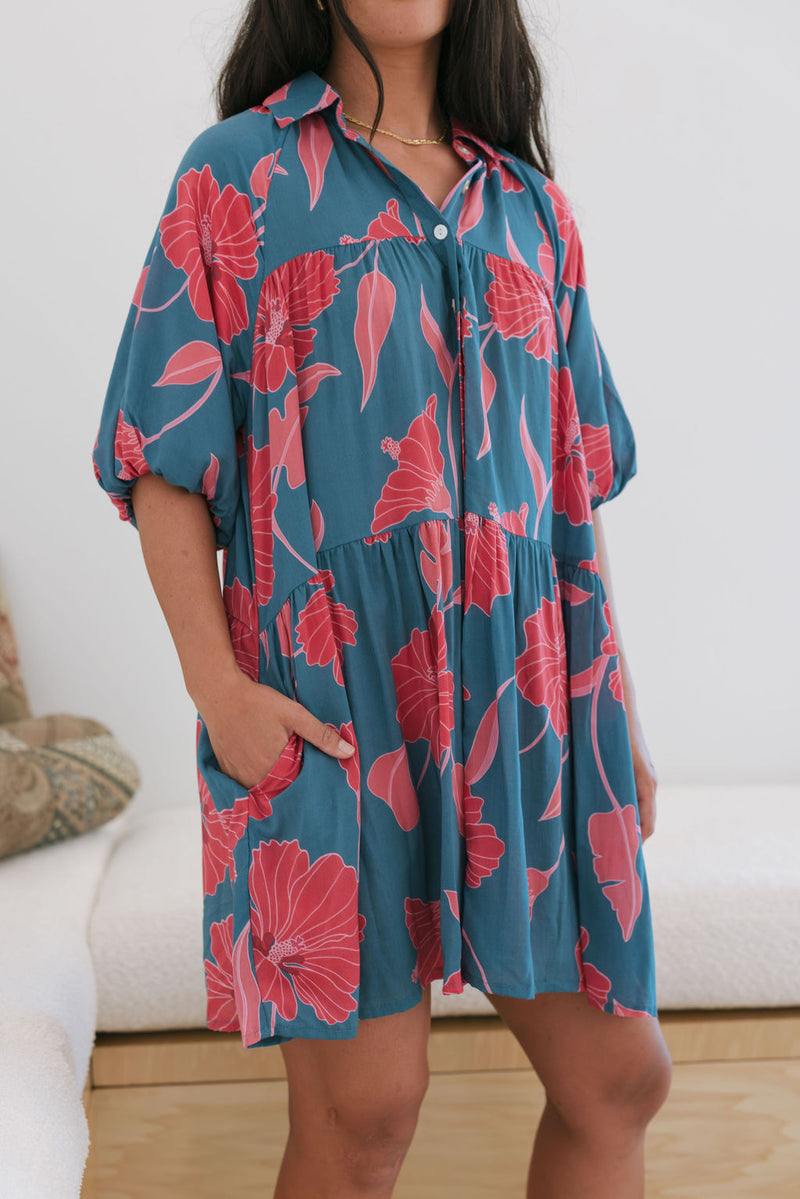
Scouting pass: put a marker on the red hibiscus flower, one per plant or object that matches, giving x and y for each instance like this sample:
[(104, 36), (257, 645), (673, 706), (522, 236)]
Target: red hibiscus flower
[(322, 627), (294, 294), (220, 1005), (424, 687), (417, 483), (486, 573), (305, 930), (211, 236), (541, 667), (520, 305), (571, 492), (423, 921)]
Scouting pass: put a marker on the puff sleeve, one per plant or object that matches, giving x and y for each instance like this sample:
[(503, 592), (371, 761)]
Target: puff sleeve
[(608, 440), (172, 406)]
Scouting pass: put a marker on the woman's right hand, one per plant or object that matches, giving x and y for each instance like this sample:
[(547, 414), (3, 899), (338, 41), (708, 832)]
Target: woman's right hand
[(250, 724)]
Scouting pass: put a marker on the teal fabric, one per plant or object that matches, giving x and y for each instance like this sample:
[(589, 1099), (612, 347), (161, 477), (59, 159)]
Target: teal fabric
[(401, 417)]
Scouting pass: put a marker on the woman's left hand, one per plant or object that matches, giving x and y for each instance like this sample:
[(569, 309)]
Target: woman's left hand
[(644, 772)]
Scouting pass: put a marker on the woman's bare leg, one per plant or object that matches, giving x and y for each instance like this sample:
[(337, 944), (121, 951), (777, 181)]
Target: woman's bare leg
[(353, 1107), (605, 1077)]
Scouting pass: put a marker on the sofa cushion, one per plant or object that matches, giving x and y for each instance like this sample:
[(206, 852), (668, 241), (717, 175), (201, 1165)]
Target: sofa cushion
[(46, 897), (60, 776), (44, 1133), (724, 874)]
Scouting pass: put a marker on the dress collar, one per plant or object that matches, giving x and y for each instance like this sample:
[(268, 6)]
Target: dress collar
[(308, 92)]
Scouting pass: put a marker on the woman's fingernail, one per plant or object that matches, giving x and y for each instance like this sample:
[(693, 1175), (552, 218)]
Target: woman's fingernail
[(345, 746)]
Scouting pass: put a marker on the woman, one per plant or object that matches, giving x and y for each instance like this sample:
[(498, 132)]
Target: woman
[(360, 360)]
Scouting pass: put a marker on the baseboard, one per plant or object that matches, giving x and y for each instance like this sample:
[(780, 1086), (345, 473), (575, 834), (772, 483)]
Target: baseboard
[(457, 1044)]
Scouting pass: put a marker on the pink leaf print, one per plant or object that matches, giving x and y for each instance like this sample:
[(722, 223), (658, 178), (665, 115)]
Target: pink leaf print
[(248, 996), (310, 377), (538, 880), (621, 1010), (596, 984), (192, 363), (488, 390), (210, 479), (471, 210), (546, 259), (314, 145), (317, 523), (437, 569), (262, 173), (262, 504), (553, 808), (375, 302), (533, 458), (614, 838), (390, 780), (484, 744), (435, 339), (286, 444)]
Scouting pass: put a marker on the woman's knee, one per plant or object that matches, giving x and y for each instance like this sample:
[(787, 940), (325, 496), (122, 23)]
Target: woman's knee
[(362, 1096), (600, 1071), (623, 1092), (367, 1135), (386, 1109)]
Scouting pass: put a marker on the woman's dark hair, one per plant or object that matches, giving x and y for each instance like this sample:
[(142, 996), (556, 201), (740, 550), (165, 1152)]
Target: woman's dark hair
[(489, 73)]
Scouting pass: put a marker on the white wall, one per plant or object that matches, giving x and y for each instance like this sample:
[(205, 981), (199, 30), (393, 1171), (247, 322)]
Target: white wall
[(673, 130)]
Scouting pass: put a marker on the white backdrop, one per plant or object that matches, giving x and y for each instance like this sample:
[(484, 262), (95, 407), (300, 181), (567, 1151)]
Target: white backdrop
[(673, 130)]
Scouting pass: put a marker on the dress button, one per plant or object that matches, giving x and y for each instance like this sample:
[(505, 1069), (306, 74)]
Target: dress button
[(453, 303), (440, 231)]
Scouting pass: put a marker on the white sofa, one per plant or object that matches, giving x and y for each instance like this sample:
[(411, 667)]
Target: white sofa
[(78, 952)]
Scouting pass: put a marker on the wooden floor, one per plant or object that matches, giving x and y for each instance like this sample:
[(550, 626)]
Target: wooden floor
[(193, 1114)]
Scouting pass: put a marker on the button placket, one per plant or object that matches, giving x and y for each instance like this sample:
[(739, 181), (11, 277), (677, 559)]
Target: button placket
[(449, 251)]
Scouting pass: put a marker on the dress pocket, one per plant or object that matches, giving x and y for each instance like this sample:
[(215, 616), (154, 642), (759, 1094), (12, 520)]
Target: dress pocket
[(286, 770)]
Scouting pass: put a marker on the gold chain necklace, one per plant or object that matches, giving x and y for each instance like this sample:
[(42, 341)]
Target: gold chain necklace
[(410, 141)]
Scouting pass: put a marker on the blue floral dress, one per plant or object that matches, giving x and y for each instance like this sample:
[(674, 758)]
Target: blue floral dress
[(401, 418)]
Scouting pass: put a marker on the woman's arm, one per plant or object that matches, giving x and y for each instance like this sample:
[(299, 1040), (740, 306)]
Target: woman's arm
[(179, 549), (643, 768), (248, 723)]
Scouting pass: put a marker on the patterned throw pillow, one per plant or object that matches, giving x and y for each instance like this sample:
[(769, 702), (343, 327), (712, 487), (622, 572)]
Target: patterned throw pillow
[(13, 699), (60, 776)]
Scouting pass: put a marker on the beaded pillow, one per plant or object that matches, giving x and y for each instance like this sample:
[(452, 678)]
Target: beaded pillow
[(60, 776)]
